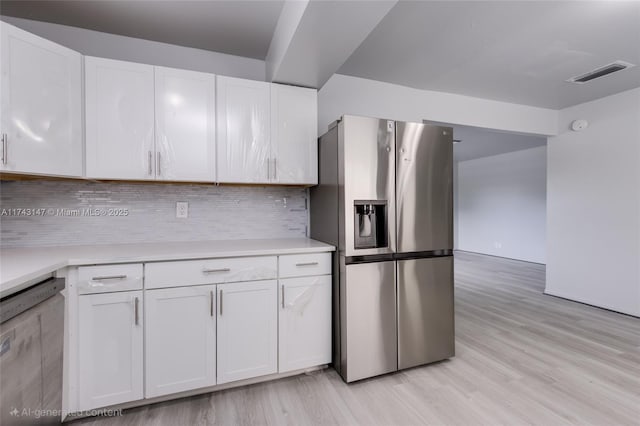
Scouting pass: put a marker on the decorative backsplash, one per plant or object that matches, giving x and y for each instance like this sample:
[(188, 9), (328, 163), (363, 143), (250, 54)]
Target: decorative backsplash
[(54, 213)]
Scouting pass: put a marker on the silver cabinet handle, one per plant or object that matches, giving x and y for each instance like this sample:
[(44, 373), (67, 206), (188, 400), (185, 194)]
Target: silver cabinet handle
[(158, 161), (220, 302), (275, 169), (268, 168), (282, 296), (135, 310), (211, 304), (150, 163), (307, 264), (109, 277), (212, 271), (5, 148)]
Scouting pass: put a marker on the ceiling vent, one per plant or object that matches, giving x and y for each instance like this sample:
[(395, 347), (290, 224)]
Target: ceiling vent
[(601, 72)]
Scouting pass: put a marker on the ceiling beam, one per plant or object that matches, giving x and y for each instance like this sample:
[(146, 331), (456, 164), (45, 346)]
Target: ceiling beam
[(313, 38), (290, 18)]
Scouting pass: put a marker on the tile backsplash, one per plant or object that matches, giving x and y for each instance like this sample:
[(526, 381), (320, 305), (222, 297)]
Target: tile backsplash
[(78, 213)]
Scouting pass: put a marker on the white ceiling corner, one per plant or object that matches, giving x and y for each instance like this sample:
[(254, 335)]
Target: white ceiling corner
[(514, 51)]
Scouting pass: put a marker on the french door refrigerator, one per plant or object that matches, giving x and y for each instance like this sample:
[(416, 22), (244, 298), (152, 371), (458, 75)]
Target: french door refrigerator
[(384, 198)]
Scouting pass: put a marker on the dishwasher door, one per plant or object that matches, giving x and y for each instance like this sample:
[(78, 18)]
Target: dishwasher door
[(31, 346), (368, 330), (425, 311)]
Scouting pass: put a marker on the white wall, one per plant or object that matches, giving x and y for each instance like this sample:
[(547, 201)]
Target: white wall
[(501, 205), (593, 205), (94, 43), (358, 96)]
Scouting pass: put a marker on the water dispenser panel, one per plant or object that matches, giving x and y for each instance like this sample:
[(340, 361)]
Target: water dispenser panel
[(370, 224)]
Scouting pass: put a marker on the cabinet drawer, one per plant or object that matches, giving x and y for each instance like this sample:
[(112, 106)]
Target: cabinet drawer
[(109, 278), (300, 265), (209, 271)]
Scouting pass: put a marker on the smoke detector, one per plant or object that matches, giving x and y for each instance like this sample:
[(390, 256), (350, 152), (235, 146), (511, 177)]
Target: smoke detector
[(601, 72), (578, 125)]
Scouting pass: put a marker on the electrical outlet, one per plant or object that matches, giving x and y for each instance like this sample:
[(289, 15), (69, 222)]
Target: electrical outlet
[(497, 245), (182, 210)]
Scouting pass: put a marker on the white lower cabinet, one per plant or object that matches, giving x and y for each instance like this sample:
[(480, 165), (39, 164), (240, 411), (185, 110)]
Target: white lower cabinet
[(180, 339), (110, 334), (138, 338), (247, 330), (304, 322)]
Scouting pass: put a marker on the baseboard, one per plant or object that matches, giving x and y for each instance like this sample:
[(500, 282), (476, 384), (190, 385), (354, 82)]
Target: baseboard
[(499, 257), (604, 308)]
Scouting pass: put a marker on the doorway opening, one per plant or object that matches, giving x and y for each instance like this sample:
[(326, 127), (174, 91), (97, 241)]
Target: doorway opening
[(499, 193)]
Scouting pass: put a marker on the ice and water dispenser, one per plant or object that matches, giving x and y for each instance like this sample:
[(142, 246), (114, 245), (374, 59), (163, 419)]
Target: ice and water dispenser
[(370, 224)]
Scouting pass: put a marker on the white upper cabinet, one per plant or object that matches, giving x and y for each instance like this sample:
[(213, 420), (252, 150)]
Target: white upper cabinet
[(266, 133), (294, 142), (147, 123), (244, 135), (185, 125), (41, 115), (119, 119)]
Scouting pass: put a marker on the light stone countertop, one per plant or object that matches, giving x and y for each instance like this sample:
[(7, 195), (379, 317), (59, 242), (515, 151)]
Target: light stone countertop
[(19, 267)]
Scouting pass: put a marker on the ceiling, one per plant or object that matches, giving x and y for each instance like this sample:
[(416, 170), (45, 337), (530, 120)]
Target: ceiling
[(477, 143), (242, 28), (513, 51)]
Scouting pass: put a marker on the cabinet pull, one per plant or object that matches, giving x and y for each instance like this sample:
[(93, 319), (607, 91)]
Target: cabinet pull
[(158, 161), (268, 168), (211, 271), (307, 264), (135, 309), (109, 277), (150, 163), (211, 304), (5, 147), (282, 296), (220, 302), (275, 169)]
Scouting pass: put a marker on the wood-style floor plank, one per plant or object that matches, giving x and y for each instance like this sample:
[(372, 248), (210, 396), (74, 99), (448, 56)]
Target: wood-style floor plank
[(522, 358)]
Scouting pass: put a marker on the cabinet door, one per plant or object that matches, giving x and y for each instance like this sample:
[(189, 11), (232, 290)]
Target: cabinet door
[(304, 322), (247, 330), (110, 349), (180, 339), (294, 129), (41, 105), (185, 125), (119, 119), (21, 362), (243, 122)]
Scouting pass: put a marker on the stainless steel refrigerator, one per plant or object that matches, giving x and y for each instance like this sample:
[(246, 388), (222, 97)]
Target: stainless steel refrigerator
[(384, 198)]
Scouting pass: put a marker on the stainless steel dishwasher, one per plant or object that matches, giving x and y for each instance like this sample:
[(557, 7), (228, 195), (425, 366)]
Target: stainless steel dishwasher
[(31, 346)]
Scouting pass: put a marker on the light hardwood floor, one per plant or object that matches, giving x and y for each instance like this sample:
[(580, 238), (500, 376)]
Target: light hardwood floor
[(521, 358)]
